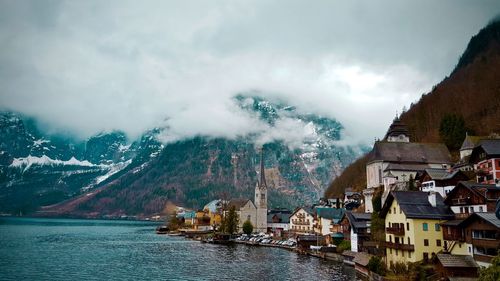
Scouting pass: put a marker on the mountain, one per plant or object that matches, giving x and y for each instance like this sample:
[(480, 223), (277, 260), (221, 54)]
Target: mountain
[(109, 175), (471, 93)]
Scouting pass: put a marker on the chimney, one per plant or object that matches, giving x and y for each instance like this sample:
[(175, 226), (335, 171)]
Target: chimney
[(432, 198)]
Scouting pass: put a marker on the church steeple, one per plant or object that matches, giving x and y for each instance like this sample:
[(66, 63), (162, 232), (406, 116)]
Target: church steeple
[(262, 182)]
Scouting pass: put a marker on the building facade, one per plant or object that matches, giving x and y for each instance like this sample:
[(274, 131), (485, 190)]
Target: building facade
[(261, 199), (413, 225)]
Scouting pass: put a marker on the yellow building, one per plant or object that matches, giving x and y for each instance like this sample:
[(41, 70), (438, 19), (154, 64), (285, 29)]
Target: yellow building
[(412, 221)]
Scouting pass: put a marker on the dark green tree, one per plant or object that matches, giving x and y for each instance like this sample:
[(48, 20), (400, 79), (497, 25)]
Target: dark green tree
[(247, 227), (452, 131), (230, 222), (375, 264), (174, 223), (377, 227), (491, 273), (411, 184)]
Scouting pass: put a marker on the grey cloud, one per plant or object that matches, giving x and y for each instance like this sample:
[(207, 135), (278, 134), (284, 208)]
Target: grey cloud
[(91, 66)]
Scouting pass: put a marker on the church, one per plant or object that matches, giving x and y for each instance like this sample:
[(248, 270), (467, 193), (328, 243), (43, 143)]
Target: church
[(256, 211)]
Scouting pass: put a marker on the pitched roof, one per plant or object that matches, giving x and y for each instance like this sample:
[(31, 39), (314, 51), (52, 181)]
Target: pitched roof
[(406, 167), (362, 258), (396, 129), (283, 217), (308, 210), (477, 188), (330, 213), (470, 142), (237, 203), (457, 260), (490, 146), (441, 174), (488, 217), (415, 204), (358, 220), (410, 152)]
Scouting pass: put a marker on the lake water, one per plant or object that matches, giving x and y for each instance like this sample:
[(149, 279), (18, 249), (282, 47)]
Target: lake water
[(67, 249)]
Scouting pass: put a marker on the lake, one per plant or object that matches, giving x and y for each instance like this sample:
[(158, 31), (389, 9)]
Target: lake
[(70, 249)]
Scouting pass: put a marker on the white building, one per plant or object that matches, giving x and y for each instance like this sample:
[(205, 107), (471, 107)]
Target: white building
[(302, 221)]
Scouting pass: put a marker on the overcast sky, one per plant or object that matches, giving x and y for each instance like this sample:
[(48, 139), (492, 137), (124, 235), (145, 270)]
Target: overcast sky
[(89, 66)]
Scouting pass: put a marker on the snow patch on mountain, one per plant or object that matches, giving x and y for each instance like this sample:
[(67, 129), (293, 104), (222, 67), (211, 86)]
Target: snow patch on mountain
[(27, 162)]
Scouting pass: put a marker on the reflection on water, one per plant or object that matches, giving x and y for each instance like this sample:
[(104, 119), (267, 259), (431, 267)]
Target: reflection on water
[(64, 249)]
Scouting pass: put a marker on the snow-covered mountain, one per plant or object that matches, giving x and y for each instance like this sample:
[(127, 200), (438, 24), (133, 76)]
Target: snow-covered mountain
[(109, 174)]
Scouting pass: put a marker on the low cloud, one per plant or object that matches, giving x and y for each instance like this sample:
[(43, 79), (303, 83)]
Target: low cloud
[(92, 66)]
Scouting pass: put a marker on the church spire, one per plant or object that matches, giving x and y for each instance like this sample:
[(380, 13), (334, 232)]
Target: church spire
[(262, 182)]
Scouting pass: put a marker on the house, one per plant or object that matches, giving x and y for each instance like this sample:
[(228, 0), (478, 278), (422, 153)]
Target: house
[(357, 230), (465, 151), (413, 225), (394, 161), (214, 210), (245, 209), (470, 197), (440, 180), (454, 238), (486, 160), (327, 220), (302, 221), (482, 235), (278, 221), (453, 267)]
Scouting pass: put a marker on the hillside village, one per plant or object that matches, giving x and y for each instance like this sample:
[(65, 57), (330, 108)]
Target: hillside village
[(420, 212)]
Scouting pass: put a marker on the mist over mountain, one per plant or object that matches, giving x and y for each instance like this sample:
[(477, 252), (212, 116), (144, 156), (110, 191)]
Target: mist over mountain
[(108, 174)]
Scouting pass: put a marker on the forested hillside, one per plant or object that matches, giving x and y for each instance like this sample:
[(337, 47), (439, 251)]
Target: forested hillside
[(466, 101)]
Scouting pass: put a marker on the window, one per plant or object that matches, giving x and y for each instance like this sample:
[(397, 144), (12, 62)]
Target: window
[(249, 218), (481, 209), (426, 256), (461, 210), (408, 226), (400, 211), (426, 242), (394, 210), (425, 226), (438, 242), (471, 209), (409, 241), (437, 227), (390, 238)]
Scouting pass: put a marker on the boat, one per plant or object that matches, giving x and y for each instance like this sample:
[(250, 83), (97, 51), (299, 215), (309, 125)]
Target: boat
[(162, 229)]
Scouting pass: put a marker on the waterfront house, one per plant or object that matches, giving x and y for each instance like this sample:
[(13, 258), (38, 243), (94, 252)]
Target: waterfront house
[(302, 221), (327, 220), (357, 229), (278, 222), (413, 225), (486, 160), (440, 180), (352, 199), (214, 210), (470, 197), (457, 267)]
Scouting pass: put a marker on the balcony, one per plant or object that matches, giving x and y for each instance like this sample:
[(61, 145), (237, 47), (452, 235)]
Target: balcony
[(404, 247), (400, 231), (453, 237), (485, 243), (300, 223), (460, 201)]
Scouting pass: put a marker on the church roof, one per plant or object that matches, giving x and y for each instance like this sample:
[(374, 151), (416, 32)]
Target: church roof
[(238, 203), (410, 152), (396, 129), (470, 142)]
